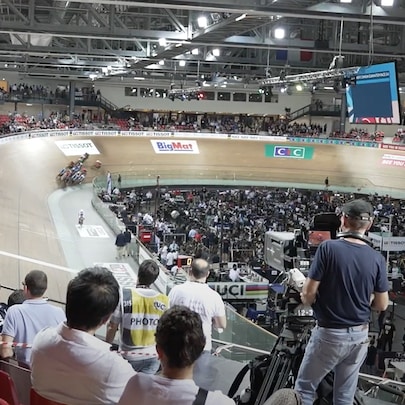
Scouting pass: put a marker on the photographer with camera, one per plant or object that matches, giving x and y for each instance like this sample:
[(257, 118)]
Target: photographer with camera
[(346, 279)]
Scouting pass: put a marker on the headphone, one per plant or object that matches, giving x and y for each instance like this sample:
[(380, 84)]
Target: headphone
[(355, 235)]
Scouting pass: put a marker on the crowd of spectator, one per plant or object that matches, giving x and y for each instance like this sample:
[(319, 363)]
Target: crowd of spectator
[(165, 121), (399, 136), (61, 351), (360, 134), (23, 91), (15, 122), (229, 224)]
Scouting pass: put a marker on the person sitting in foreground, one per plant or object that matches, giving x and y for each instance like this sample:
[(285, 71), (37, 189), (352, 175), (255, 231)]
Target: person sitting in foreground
[(69, 364), (180, 341)]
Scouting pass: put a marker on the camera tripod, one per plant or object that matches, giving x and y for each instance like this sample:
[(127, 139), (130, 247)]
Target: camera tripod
[(286, 356)]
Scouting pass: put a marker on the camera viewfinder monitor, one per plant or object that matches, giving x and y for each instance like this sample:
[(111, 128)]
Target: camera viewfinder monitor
[(315, 238)]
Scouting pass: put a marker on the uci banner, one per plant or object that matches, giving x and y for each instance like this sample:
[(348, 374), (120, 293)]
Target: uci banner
[(293, 152)]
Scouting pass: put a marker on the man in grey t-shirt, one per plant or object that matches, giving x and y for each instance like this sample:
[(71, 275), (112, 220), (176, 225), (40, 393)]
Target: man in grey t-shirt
[(24, 321)]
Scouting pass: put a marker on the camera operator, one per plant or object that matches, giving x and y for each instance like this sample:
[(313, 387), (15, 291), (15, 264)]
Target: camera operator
[(346, 279)]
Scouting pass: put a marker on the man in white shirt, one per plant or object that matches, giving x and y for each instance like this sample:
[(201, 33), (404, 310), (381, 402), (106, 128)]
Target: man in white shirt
[(234, 273), (199, 297), (170, 260), (69, 364), (179, 342)]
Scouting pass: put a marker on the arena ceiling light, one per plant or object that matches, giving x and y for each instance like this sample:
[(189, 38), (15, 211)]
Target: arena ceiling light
[(195, 51), (387, 3), (162, 42), (182, 63), (241, 17), (346, 1), (279, 33), (202, 21), (216, 52)]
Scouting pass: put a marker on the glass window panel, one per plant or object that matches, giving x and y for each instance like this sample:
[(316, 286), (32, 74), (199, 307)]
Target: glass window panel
[(146, 92), (224, 96), (255, 97), (161, 93), (239, 97), (131, 91)]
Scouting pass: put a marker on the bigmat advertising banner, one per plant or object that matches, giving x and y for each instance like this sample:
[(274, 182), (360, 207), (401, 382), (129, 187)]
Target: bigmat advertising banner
[(290, 152), (182, 146)]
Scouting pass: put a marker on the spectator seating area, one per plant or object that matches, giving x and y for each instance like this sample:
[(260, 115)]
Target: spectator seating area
[(15, 122), (233, 221)]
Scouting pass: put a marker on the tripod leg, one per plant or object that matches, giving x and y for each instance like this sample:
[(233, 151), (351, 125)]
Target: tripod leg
[(267, 379), (276, 366), (285, 372)]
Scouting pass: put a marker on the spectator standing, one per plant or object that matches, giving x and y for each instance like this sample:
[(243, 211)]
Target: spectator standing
[(69, 364), (128, 237), (24, 321), (120, 242), (163, 251), (387, 335), (180, 341), (345, 277), (170, 259), (174, 247), (198, 296), (138, 313)]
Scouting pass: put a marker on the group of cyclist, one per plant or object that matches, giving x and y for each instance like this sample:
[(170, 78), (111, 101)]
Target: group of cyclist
[(74, 172)]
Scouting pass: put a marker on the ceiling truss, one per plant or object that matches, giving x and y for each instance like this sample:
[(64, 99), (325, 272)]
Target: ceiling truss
[(110, 39)]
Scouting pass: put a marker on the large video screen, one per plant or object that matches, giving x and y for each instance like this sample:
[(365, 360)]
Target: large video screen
[(374, 99)]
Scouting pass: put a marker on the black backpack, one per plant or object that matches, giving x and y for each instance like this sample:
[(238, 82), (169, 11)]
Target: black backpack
[(258, 368)]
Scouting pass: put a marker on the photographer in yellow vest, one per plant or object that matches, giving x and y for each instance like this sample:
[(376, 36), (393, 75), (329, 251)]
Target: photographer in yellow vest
[(137, 315)]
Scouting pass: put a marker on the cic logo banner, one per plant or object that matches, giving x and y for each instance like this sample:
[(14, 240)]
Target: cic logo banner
[(293, 152)]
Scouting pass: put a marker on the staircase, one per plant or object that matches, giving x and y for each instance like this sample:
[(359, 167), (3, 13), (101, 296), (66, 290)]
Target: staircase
[(101, 102), (328, 110), (299, 113)]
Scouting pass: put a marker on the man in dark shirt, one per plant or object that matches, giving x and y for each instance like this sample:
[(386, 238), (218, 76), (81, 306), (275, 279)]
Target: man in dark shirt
[(387, 335), (346, 279), (128, 237), (120, 243)]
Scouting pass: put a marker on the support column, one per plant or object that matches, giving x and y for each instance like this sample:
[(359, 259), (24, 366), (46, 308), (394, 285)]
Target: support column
[(343, 113), (72, 89)]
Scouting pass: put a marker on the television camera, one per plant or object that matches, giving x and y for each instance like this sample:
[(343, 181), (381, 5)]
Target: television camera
[(288, 250), (280, 368)]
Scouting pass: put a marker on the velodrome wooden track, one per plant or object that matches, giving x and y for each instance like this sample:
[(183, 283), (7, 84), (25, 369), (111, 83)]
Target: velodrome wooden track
[(28, 169)]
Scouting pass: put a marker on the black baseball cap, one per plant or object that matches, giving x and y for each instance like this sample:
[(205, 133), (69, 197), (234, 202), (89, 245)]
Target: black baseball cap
[(358, 209)]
